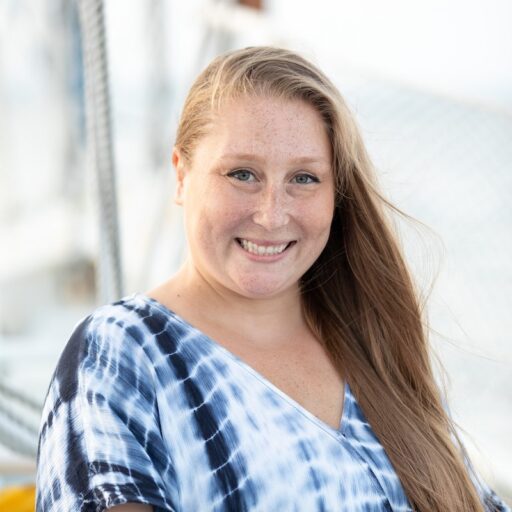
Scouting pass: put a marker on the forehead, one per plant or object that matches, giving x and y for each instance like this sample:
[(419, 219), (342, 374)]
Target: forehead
[(273, 125)]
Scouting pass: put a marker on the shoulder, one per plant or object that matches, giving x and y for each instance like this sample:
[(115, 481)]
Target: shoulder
[(130, 339), (131, 323), (111, 340), (110, 326)]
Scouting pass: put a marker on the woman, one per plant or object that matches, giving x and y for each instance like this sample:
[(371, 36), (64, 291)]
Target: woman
[(285, 365)]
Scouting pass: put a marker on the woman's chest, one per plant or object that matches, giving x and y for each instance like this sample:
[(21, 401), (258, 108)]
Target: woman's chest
[(235, 436), (303, 373)]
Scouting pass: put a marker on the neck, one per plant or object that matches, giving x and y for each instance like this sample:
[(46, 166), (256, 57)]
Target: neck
[(261, 320)]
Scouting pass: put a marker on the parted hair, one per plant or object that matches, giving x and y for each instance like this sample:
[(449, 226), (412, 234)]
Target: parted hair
[(358, 297)]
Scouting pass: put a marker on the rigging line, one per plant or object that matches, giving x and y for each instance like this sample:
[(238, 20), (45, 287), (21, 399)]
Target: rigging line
[(14, 418), (20, 398), (16, 444), (99, 146)]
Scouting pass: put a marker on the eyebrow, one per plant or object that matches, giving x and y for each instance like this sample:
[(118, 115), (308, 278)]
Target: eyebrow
[(250, 156)]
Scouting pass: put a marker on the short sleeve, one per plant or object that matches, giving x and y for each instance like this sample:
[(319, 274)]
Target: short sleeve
[(100, 440)]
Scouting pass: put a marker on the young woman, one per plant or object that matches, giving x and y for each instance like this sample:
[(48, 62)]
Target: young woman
[(285, 366)]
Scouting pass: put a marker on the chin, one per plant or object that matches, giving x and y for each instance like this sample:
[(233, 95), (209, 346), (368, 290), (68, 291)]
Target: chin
[(261, 288)]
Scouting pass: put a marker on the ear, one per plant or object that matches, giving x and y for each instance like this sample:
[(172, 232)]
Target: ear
[(178, 161)]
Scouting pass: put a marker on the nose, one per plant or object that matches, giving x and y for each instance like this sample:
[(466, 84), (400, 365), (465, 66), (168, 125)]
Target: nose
[(272, 209)]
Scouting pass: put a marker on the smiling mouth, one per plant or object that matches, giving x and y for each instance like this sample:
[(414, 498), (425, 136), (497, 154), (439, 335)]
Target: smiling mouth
[(262, 250)]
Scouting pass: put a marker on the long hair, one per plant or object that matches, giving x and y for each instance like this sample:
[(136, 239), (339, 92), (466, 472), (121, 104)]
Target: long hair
[(358, 297)]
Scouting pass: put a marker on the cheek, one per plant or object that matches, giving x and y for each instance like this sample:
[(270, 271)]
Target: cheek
[(316, 219), (216, 216)]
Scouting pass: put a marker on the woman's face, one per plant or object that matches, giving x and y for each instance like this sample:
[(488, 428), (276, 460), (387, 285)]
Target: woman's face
[(258, 196)]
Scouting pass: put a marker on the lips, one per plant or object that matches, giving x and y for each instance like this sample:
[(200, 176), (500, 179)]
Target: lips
[(265, 243), (264, 247)]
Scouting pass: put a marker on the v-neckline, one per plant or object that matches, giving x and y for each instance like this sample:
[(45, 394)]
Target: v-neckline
[(255, 373)]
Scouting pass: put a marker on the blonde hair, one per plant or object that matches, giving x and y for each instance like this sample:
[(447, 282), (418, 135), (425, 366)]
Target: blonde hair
[(358, 297)]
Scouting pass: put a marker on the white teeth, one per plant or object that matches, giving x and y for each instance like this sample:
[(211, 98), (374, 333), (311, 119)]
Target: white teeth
[(262, 250)]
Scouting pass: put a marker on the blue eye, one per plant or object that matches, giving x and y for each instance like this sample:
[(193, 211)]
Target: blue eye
[(306, 179), (241, 175)]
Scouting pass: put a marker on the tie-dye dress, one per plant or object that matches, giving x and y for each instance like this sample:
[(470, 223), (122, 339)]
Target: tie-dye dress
[(143, 407)]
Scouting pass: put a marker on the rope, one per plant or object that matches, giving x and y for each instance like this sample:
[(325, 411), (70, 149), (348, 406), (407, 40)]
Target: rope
[(99, 147), (17, 444), (16, 433), (20, 398)]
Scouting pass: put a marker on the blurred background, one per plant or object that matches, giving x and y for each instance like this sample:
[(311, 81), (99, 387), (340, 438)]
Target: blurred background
[(430, 83)]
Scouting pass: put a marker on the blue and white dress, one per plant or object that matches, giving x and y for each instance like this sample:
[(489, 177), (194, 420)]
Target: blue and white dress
[(143, 407)]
